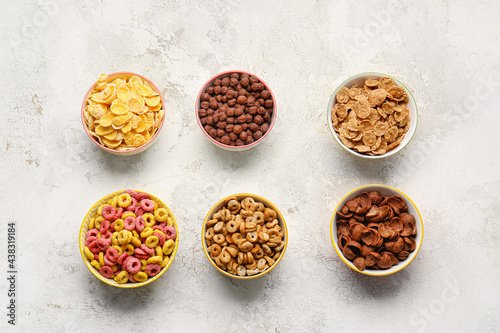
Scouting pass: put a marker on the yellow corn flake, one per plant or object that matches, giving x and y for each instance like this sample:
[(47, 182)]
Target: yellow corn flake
[(142, 89), (119, 109), (111, 136), (138, 140), (123, 94), (111, 143), (152, 101), (135, 79), (127, 128), (106, 120), (121, 120)]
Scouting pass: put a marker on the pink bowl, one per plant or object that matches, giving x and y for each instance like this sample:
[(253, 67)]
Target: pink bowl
[(132, 151), (219, 144)]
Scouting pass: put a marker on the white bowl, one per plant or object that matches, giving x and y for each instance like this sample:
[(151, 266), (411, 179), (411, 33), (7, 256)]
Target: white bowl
[(387, 191), (360, 79)]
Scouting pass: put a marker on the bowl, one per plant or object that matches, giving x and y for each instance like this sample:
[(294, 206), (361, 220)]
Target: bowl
[(85, 228), (384, 191), (123, 151), (280, 221), (234, 145), (359, 79)]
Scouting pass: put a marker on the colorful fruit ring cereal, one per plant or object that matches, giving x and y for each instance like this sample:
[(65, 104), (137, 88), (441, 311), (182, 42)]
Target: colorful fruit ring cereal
[(125, 249)]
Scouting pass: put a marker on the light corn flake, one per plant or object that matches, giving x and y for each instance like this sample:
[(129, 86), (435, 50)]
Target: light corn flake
[(371, 119), (123, 114)]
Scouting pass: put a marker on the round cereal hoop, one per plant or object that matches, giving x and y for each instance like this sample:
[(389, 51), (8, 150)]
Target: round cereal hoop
[(84, 229), (132, 151), (220, 144), (384, 189), (240, 196)]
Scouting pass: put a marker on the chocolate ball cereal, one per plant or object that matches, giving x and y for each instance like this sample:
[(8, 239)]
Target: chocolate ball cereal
[(236, 110)]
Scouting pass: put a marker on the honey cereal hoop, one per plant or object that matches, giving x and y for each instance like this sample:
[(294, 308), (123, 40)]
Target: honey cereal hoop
[(240, 196), (386, 191), (219, 144), (359, 80), (85, 228), (149, 141)]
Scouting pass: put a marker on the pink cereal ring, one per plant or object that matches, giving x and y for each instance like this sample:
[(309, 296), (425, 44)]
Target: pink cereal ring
[(131, 278), (140, 224), (161, 238), (139, 252), (113, 254), (138, 211), (133, 205), (108, 261), (145, 257), (108, 212), (89, 240), (146, 249), (102, 244), (153, 269), (107, 272), (92, 233), (107, 236), (162, 225), (124, 263), (122, 257), (118, 214), (148, 205), (93, 247), (129, 223), (142, 196), (170, 232), (131, 192), (96, 256), (133, 265), (104, 226)]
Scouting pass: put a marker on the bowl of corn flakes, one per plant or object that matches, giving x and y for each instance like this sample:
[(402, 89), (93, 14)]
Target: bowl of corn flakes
[(372, 115), (123, 113), (128, 239)]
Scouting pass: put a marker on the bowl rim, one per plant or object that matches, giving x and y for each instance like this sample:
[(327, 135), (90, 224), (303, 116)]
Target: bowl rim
[(268, 204), (376, 272), (127, 285), (129, 151), (334, 133), (220, 144)]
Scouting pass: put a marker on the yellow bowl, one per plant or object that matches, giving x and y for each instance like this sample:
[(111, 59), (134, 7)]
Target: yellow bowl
[(387, 191), (240, 196), (131, 151), (85, 227)]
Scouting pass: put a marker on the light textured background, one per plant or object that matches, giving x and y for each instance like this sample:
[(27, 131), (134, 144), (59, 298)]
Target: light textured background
[(446, 52)]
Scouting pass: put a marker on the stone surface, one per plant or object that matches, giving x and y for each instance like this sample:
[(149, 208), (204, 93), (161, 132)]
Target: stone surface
[(445, 52)]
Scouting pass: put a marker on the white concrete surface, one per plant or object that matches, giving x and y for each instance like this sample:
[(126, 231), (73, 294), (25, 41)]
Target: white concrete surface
[(447, 52)]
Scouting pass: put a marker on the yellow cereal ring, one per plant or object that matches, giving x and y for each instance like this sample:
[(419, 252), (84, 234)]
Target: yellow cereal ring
[(118, 225), (136, 242), (128, 248), (101, 258), (159, 251), (92, 223), (114, 268), (99, 210), (154, 260), (125, 215), (165, 261), (124, 237), (170, 221), (124, 200), (168, 247), (88, 253), (156, 204), (135, 234), (98, 221), (161, 214), (140, 277), (118, 248), (152, 242), (144, 263), (149, 219), (99, 235), (122, 277), (96, 264), (147, 232), (114, 238), (114, 201)]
